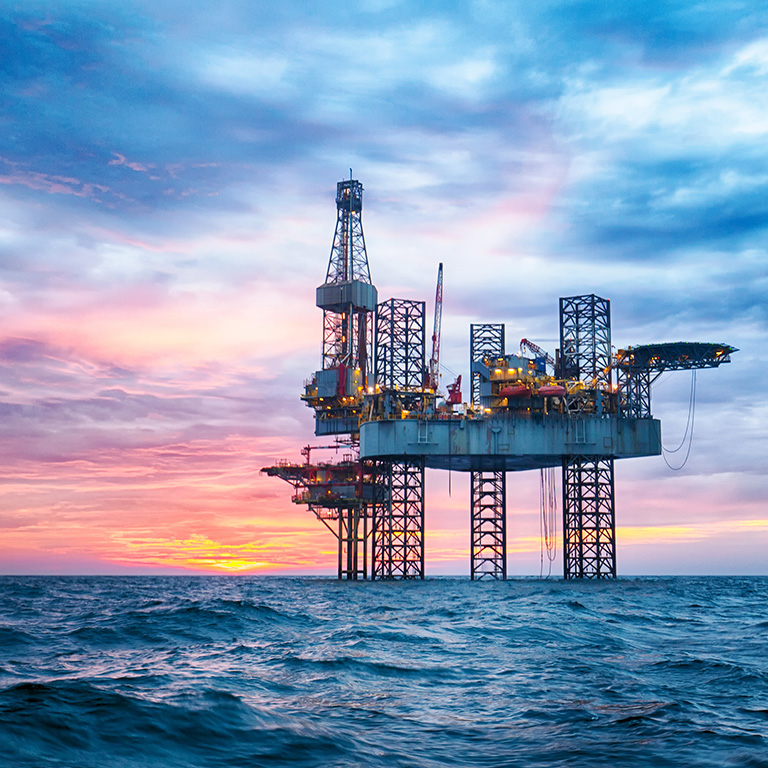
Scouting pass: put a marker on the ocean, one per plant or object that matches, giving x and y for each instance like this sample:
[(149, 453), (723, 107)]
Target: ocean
[(262, 671)]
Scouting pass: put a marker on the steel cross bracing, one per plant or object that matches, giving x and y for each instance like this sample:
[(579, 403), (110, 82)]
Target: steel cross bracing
[(400, 344), (489, 526), (398, 503), (585, 340), (589, 520), (588, 499), (347, 339), (485, 340), (634, 385), (398, 520)]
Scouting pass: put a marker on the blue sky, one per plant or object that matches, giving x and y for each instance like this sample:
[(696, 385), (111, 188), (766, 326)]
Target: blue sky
[(167, 177)]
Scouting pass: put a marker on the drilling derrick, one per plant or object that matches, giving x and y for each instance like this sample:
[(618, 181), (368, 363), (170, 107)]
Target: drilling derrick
[(348, 300)]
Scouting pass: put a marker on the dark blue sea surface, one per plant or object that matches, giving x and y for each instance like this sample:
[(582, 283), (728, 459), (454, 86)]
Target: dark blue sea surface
[(229, 671)]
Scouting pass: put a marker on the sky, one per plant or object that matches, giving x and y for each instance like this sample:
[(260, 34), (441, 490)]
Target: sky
[(167, 184)]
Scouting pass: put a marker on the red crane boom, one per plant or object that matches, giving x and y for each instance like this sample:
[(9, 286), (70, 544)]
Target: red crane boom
[(434, 361), (538, 351)]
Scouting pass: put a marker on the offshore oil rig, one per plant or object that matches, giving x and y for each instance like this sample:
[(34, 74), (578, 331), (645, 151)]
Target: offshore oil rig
[(378, 397)]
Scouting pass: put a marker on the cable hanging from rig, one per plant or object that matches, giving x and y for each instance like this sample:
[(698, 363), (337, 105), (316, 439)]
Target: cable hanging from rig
[(688, 426), (548, 518)]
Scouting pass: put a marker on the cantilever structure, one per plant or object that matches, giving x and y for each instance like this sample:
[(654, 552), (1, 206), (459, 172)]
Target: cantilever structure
[(376, 395)]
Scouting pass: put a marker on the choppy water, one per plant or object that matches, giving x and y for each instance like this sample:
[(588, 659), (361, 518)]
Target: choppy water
[(308, 672)]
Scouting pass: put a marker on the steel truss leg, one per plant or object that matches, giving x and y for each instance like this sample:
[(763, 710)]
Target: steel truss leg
[(589, 519), (489, 525), (353, 532), (398, 520)]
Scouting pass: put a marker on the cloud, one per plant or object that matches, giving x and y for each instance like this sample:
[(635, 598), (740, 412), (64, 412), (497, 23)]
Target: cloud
[(674, 156), (167, 204)]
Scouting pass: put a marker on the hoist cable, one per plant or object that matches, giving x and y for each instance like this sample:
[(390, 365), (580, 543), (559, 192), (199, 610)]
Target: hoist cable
[(689, 426)]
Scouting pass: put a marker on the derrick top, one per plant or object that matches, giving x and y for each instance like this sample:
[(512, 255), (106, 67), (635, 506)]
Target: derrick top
[(349, 196), (348, 262)]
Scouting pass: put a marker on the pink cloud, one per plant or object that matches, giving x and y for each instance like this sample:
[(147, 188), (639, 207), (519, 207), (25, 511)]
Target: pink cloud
[(183, 328), (120, 160), (54, 184)]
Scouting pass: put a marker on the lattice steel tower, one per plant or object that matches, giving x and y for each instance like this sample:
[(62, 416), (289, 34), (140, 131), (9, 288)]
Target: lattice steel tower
[(398, 508), (585, 339), (589, 511), (488, 487)]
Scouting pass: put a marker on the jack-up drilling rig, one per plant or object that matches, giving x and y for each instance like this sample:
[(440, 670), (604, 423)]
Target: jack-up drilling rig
[(375, 392)]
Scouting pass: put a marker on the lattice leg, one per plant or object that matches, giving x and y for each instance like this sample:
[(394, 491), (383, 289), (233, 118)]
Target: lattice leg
[(589, 520), (398, 520), (489, 526)]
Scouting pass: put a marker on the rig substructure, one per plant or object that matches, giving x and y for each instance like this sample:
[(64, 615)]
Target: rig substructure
[(378, 396)]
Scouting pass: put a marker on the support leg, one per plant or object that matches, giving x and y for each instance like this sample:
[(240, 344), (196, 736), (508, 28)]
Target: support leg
[(398, 520), (352, 543), (589, 519), (488, 556)]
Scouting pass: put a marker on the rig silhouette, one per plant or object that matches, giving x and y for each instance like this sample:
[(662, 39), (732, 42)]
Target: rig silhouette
[(378, 396)]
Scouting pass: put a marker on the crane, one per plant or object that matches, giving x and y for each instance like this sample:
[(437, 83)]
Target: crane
[(433, 379), (433, 375), (538, 351)]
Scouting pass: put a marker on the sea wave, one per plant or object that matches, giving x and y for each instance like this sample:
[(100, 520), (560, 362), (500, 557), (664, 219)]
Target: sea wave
[(308, 672)]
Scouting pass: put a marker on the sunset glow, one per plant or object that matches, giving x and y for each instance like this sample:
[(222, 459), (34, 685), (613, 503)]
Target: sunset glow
[(167, 189)]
